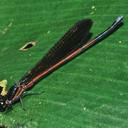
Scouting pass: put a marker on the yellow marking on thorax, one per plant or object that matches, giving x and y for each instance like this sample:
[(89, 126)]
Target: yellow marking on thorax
[(3, 84)]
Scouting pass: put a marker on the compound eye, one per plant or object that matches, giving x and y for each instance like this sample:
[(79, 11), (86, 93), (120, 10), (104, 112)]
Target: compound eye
[(1, 103)]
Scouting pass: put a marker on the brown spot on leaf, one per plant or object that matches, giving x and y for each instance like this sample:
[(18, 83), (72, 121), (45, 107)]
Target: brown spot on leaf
[(28, 45)]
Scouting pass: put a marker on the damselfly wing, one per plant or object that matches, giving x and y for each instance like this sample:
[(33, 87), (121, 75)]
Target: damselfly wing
[(75, 38)]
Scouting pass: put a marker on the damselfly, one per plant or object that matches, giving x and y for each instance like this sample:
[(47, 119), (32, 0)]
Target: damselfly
[(73, 43)]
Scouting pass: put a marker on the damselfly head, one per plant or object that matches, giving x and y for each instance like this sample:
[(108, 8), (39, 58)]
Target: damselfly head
[(3, 105)]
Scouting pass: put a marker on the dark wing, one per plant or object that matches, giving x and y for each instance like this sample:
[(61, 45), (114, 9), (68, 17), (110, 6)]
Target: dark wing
[(77, 36)]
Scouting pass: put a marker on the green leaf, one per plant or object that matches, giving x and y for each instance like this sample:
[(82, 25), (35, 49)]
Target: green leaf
[(89, 92)]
